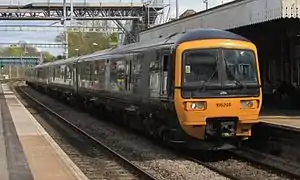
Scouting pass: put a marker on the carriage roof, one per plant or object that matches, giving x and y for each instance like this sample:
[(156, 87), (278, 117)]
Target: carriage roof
[(169, 41)]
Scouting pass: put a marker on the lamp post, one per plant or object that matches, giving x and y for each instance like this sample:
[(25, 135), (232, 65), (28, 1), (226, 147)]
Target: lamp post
[(94, 44), (22, 54), (77, 50)]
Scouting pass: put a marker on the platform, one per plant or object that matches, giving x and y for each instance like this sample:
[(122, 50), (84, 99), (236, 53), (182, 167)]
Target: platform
[(26, 150), (286, 119)]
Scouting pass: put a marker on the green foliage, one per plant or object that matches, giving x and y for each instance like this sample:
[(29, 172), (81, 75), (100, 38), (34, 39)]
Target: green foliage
[(83, 41), (47, 56), (10, 51), (113, 38), (23, 50), (59, 57)]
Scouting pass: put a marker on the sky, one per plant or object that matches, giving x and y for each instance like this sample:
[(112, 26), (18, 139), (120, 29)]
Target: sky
[(48, 36)]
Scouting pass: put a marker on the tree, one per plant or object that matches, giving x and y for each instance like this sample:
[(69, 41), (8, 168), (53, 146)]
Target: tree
[(47, 56), (59, 57), (25, 50), (83, 41)]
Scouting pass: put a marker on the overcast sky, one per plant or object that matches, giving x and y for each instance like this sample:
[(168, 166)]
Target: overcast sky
[(46, 36)]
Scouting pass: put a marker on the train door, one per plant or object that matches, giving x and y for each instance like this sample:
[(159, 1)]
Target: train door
[(164, 69), (75, 77), (107, 74), (128, 73), (53, 73), (146, 58), (48, 75)]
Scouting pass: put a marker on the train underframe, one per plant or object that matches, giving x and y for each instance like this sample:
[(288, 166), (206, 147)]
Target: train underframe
[(156, 124)]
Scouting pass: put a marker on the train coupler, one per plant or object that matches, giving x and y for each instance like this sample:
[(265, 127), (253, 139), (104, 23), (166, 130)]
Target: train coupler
[(220, 128)]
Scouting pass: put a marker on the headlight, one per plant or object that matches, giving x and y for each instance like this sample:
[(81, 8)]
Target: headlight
[(248, 104), (195, 105)]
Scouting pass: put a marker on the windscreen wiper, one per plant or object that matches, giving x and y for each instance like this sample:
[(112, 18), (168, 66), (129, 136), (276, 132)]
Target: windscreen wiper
[(235, 80), (208, 79)]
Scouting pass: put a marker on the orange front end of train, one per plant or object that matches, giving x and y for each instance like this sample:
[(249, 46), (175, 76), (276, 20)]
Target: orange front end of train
[(217, 89)]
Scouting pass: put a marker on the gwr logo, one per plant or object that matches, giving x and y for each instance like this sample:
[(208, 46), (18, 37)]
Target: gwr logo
[(222, 105)]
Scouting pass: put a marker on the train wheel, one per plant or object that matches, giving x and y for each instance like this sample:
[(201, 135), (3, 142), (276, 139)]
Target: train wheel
[(152, 127), (85, 104), (90, 108), (164, 137), (125, 119), (101, 113)]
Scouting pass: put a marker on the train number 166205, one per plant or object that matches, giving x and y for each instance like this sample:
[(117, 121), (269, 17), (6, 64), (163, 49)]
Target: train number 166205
[(222, 105)]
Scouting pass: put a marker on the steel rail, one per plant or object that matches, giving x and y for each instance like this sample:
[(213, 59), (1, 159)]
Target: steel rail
[(279, 164), (247, 154), (141, 173), (208, 166)]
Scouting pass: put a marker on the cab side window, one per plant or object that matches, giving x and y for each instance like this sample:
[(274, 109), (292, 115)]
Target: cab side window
[(164, 74)]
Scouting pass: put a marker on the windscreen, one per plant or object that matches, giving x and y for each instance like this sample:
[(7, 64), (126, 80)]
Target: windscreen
[(240, 65), (200, 65), (219, 72)]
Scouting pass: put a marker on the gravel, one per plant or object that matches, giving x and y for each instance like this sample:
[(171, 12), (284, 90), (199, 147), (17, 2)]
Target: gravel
[(93, 162), (159, 162), (245, 170)]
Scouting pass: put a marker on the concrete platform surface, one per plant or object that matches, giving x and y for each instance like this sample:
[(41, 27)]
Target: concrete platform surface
[(288, 119), (26, 150)]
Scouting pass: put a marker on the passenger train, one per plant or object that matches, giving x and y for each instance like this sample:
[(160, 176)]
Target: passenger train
[(199, 89)]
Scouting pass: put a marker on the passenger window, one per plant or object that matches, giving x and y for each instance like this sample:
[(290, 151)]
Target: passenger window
[(117, 75), (136, 70), (99, 73)]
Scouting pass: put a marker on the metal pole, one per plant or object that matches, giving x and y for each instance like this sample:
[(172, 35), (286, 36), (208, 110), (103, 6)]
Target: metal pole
[(25, 51), (72, 9), (67, 44), (10, 72), (148, 14), (65, 28), (177, 10), (1, 70), (206, 3), (17, 71)]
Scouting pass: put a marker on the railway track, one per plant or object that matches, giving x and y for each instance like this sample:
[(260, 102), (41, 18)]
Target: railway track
[(278, 164), (244, 162), (240, 167), (136, 172), (211, 166), (230, 168)]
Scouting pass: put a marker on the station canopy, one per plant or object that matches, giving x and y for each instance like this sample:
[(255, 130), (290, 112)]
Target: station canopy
[(232, 15)]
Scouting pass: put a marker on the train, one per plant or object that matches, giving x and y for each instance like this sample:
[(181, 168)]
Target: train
[(199, 89)]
